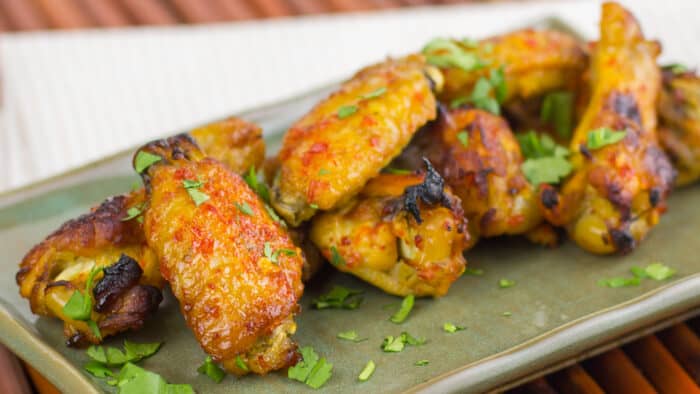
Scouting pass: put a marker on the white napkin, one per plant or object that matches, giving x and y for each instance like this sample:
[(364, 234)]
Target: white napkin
[(69, 98)]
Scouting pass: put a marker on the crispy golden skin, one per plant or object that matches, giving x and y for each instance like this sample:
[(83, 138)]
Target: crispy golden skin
[(485, 174), (60, 264), (237, 276), (325, 160), (57, 266), (679, 116), (379, 241), (534, 62), (616, 193)]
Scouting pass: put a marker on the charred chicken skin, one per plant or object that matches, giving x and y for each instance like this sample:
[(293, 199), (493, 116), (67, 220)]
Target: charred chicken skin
[(329, 155), (534, 62), (403, 233), (60, 264), (232, 267), (679, 115), (617, 191)]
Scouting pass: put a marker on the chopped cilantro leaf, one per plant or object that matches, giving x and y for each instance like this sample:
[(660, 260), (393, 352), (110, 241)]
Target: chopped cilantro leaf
[(498, 81), (112, 356), (406, 307), (338, 298), (507, 314), (240, 363), (346, 110), (374, 94), (192, 188), (136, 380), (98, 369), (138, 351), (463, 138), (393, 344), (604, 136), (675, 68), (244, 208), (422, 363), (557, 110), (639, 272), (469, 42), (536, 146), (132, 213), (367, 371), (274, 215), (251, 178), (619, 282), (550, 170), (473, 271), (397, 171), (458, 102), (143, 160), (336, 258), (451, 328), (267, 250), (212, 370), (79, 305), (506, 283), (323, 171), (311, 370), (94, 328), (410, 340), (444, 53), (350, 336), (313, 206), (658, 271)]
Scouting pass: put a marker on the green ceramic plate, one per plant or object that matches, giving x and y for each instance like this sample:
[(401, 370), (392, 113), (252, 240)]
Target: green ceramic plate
[(555, 313)]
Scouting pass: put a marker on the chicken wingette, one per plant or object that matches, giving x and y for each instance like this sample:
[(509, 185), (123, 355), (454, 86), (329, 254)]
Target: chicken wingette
[(621, 176), (111, 235), (533, 62), (403, 233), (232, 267), (329, 155), (480, 159), (679, 118)]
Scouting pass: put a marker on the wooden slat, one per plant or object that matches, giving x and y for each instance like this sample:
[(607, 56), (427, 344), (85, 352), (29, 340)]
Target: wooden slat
[(386, 3), (660, 367), (273, 8), (350, 5), (150, 12), (684, 345), (65, 14), (106, 13), (23, 15), (615, 373), (236, 9), (574, 380), (537, 386), (198, 11), (310, 6)]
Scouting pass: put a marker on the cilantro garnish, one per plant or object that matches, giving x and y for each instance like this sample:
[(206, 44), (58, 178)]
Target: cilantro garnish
[(546, 161), (267, 252), (251, 178), (658, 271), (112, 356), (557, 110), (311, 370), (463, 138), (473, 271), (444, 53), (374, 94), (212, 370), (79, 305), (244, 208), (338, 298), (136, 380), (336, 258), (350, 336), (451, 328), (274, 215), (143, 160), (487, 94), (406, 307), (98, 369), (346, 110), (133, 212), (535, 146), (506, 283), (241, 364), (604, 136), (675, 68), (192, 188), (422, 363), (397, 171), (367, 371), (507, 314), (323, 171), (313, 206), (392, 344), (619, 282)]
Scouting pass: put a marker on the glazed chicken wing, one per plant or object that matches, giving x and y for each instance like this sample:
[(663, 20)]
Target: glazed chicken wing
[(403, 233), (679, 115), (533, 61), (60, 264), (232, 267), (480, 159), (329, 155), (619, 187)]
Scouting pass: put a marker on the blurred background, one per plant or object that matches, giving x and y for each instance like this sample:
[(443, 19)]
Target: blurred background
[(83, 79)]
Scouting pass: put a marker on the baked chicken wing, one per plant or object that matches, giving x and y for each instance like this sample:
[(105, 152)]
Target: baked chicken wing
[(403, 233), (533, 61), (111, 235), (329, 155), (621, 176), (232, 267), (679, 116)]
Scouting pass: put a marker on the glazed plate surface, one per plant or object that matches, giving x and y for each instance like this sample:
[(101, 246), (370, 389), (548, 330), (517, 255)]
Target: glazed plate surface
[(554, 314)]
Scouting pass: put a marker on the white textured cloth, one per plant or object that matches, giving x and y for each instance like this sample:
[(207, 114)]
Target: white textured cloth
[(69, 98)]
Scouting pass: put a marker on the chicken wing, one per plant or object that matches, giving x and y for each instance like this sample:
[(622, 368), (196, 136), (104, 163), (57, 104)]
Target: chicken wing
[(60, 264), (619, 188), (329, 155), (480, 159), (403, 233), (232, 267), (533, 61), (679, 115)]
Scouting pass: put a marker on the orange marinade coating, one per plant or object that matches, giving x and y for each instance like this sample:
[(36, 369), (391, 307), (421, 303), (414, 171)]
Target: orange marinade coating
[(325, 160)]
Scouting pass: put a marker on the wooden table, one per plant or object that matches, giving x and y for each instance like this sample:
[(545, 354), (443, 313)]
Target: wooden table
[(667, 362)]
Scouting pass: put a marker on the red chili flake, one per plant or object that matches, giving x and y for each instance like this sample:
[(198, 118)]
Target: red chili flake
[(374, 141), (418, 240)]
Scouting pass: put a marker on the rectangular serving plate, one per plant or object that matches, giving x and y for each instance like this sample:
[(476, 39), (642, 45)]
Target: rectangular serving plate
[(557, 312)]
